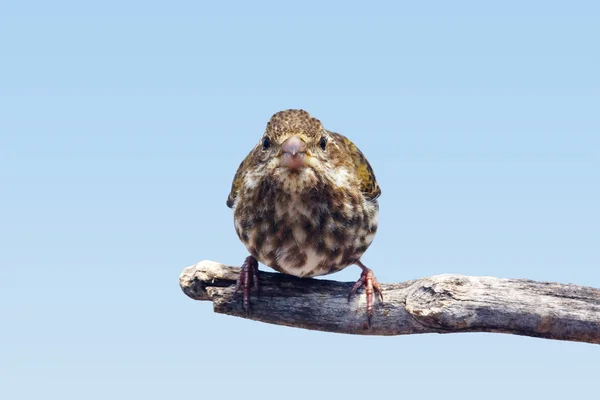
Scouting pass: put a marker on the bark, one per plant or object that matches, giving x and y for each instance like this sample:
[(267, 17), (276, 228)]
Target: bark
[(436, 304)]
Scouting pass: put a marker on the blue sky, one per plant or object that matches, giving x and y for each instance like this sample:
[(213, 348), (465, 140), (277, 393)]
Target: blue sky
[(122, 124)]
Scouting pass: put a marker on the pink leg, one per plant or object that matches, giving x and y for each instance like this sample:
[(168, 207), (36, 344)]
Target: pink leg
[(368, 280), (248, 276)]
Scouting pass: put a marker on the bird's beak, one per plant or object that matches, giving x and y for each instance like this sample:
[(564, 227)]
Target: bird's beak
[(294, 153)]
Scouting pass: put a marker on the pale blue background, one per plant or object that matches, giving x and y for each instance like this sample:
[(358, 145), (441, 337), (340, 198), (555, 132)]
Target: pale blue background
[(122, 125)]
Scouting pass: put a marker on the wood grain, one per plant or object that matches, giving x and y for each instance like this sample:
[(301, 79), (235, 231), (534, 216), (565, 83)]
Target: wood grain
[(436, 304)]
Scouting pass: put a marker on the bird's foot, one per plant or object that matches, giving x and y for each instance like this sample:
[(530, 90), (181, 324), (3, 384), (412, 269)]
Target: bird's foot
[(368, 280), (247, 279)]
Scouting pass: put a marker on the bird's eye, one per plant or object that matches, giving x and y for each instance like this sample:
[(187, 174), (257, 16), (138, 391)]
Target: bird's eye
[(266, 143), (323, 142)]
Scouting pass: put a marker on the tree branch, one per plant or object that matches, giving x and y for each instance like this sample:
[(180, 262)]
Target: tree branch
[(436, 304)]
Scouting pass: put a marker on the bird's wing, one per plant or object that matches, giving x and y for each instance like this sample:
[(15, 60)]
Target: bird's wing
[(368, 184), (237, 182)]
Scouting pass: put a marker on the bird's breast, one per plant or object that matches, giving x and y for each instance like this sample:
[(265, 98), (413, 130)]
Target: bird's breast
[(305, 233)]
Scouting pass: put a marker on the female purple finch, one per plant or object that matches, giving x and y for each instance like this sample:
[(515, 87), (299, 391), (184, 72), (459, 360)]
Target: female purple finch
[(304, 203)]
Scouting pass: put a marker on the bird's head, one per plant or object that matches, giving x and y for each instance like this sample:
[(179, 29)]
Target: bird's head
[(293, 141), (296, 153)]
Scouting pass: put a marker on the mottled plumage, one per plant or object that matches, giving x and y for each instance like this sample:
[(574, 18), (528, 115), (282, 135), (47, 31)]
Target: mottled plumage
[(305, 198)]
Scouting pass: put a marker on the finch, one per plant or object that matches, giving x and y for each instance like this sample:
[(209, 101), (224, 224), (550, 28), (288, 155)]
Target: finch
[(304, 203)]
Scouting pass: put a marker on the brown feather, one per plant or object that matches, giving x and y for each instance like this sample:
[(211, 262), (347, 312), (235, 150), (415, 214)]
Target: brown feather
[(308, 222), (367, 182)]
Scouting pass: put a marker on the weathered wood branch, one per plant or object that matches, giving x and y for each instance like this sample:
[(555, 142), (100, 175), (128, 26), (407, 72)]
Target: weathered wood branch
[(437, 304)]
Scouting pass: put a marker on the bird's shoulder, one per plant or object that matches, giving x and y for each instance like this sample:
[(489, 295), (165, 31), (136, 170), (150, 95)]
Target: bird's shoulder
[(361, 166), (238, 178)]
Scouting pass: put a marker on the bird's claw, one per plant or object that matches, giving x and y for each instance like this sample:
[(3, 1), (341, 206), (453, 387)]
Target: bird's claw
[(247, 280), (368, 280)]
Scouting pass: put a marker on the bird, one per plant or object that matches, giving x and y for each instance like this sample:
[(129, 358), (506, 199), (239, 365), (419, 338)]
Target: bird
[(304, 203)]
